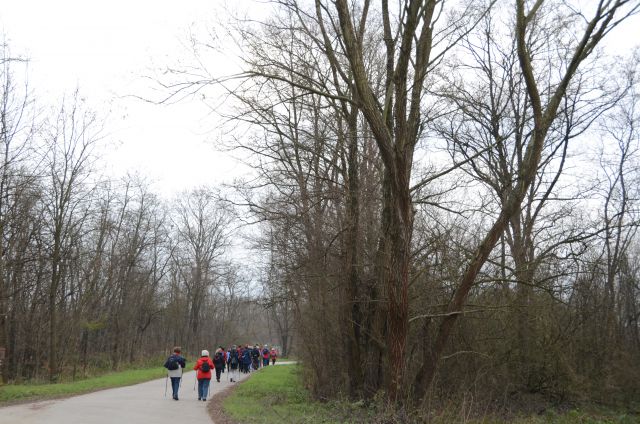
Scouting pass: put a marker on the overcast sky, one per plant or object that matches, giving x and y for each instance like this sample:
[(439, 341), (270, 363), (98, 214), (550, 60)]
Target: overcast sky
[(106, 49)]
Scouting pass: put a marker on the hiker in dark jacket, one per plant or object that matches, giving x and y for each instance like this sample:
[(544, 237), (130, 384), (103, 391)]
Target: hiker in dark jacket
[(233, 363), (218, 362), (203, 366), (174, 364), (255, 357)]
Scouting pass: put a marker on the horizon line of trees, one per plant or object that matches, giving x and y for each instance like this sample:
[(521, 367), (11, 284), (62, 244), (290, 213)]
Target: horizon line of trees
[(97, 273)]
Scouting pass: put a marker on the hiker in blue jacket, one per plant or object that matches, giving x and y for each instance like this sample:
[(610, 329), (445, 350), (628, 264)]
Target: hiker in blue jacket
[(246, 360), (174, 364)]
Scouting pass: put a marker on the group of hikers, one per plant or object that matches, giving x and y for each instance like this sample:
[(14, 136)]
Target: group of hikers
[(242, 359)]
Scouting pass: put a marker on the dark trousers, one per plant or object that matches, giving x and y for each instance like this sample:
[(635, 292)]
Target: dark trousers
[(218, 371), (175, 385)]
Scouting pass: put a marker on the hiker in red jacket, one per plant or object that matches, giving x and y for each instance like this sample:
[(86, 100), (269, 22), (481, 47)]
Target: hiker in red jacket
[(203, 368), (265, 356)]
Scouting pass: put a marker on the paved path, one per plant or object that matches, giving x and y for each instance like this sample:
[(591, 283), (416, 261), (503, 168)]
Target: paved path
[(137, 404)]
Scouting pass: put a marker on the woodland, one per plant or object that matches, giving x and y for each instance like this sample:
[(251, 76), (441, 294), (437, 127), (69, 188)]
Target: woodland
[(444, 205)]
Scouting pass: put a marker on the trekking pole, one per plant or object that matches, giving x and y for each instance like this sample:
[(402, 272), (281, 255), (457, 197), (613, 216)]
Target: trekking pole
[(166, 381)]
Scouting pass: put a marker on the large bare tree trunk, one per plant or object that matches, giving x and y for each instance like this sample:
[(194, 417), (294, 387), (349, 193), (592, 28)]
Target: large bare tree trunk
[(396, 130)]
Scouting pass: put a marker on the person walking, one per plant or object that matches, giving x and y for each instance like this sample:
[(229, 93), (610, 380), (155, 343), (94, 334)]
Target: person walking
[(274, 355), (233, 362), (203, 368), (246, 359), (240, 362), (174, 365), (265, 356), (255, 358), (219, 362)]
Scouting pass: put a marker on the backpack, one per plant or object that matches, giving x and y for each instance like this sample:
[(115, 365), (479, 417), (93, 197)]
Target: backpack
[(172, 363), (218, 358), (205, 367), (234, 358)]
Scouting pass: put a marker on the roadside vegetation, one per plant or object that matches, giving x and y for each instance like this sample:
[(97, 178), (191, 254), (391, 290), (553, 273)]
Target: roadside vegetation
[(11, 393), (277, 395)]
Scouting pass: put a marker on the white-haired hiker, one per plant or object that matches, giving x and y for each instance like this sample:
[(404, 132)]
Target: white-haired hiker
[(203, 368)]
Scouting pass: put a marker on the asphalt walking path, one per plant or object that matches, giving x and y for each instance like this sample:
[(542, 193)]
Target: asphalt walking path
[(137, 404)]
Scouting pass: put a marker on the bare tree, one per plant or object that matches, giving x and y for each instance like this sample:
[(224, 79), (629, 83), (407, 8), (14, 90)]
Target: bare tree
[(16, 133), (544, 108), (70, 140), (202, 229)]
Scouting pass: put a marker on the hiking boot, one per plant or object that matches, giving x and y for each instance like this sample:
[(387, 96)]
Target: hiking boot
[(204, 399)]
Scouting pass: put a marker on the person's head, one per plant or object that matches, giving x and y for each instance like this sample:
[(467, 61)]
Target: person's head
[(205, 352), (177, 349), (233, 347)]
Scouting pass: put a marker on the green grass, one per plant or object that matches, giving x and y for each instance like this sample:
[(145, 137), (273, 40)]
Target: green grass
[(16, 392), (277, 395)]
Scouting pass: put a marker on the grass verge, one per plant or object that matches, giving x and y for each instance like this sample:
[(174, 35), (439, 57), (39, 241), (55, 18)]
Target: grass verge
[(276, 395), (20, 392), (576, 416)]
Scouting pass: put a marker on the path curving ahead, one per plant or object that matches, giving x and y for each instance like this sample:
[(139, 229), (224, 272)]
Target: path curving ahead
[(140, 403)]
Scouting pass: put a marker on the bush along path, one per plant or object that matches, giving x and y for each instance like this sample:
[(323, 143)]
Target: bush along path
[(139, 403), (277, 395)]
